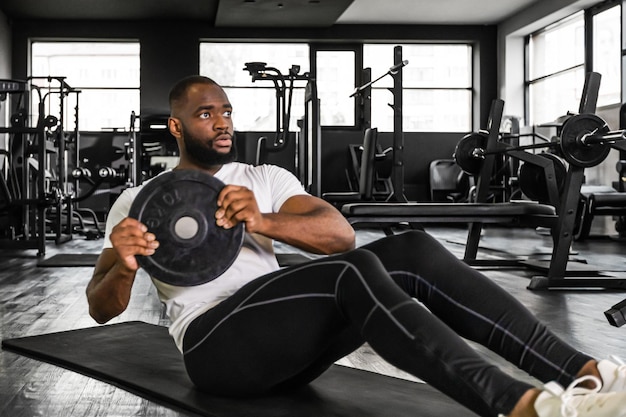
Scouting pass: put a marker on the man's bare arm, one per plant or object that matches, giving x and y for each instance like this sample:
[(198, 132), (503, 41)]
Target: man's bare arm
[(304, 221), (108, 292), (310, 224)]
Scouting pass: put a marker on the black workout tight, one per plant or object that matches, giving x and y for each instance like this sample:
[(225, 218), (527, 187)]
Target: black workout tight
[(288, 327)]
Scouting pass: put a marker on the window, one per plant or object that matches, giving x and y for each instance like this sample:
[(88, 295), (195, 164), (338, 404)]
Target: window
[(556, 63), (437, 86), (607, 54), (437, 83), (335, 84), (106, 73), (255, 103), (556, 69)]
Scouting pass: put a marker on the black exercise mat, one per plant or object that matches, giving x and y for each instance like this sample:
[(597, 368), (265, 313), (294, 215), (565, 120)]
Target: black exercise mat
[(142, 358), (69, 259)]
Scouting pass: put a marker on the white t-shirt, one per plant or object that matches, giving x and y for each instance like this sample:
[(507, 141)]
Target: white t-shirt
[(272, 186)]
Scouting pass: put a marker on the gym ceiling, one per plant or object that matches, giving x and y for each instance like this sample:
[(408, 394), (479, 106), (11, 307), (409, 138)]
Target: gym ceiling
[(273, 13)]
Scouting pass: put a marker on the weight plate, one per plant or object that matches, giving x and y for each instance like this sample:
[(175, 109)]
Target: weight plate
[(463, 153), (573, 150), (532, 179), (179, 208)]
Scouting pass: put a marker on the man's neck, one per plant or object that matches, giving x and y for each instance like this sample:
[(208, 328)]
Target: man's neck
[(211, 170)]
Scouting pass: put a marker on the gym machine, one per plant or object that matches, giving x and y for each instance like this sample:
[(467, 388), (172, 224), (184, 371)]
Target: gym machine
[(364, 91), (156, 150), (308, 147), (64, 144), (584, 140), (42, 170), (91, 173), (34, 180), (363, 185), (609, 200), (23, 183), (64, 218), (308, 142)]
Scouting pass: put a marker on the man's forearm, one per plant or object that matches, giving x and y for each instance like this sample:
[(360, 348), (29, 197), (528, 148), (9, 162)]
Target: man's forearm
[(108, 294), (321, 233)]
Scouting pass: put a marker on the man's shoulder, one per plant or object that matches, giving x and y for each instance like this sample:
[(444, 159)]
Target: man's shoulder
[(242, 168)]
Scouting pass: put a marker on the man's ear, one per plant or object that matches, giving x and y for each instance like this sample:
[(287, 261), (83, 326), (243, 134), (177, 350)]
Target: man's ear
[(175, 127)]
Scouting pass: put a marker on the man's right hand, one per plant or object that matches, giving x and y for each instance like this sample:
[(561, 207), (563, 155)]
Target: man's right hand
[(130, 237)]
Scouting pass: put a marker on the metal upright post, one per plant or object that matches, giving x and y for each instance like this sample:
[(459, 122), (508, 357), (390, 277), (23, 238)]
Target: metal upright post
[(366, 98), (397, 174)]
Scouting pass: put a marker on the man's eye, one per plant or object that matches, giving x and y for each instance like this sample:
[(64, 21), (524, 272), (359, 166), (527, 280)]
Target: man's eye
[(228, 113), (205, 115)]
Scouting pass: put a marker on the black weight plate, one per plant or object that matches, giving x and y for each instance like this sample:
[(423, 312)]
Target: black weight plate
[(179, 208), (532, 179), (463, 153), (577, 153)]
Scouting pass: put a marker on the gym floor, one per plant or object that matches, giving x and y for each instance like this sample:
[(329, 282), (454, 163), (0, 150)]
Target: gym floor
[(36, 300)]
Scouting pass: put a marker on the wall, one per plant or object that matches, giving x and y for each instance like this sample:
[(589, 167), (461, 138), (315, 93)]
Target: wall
[(511, 34), (510, 47), (169, 51), (5, 72), (5, 47)]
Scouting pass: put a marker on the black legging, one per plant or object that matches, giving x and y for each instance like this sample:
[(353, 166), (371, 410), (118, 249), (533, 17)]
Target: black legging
[(286, 328)]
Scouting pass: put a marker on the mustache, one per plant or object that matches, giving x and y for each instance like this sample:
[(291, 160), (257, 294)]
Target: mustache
[(231, 135)]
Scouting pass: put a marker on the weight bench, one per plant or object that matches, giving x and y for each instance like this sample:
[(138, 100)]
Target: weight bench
[(559, 216), (385, 215)]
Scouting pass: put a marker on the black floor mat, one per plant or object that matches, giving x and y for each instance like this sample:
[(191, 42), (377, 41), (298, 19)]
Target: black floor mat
[(142, 358), (69, 259)]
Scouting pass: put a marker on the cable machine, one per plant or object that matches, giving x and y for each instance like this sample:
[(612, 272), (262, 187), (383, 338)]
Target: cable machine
[(23, 184), (61, 151), (308, 140), (35, 188)]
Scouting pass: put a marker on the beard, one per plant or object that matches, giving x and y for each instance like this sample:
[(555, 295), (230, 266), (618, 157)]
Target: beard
[(202, 153)]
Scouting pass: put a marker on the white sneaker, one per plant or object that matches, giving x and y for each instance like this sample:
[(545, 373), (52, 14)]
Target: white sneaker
[(577, 401), (613, 373)]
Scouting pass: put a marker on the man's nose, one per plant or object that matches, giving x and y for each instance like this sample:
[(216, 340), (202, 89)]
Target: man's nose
[(221, 123)]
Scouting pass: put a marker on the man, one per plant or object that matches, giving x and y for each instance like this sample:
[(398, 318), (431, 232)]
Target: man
[(258, 328)]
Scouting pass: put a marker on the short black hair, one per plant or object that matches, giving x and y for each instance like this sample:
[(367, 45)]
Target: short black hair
[(179, 90)]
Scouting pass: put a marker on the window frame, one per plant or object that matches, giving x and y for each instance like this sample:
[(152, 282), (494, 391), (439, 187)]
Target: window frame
[(357, 49), (528, 81), (588, 53), (470, 89), (298, 90), (80, 89), (592, 12)]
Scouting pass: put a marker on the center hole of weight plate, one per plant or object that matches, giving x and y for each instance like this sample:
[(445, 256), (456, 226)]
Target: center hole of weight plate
[(186, 227)]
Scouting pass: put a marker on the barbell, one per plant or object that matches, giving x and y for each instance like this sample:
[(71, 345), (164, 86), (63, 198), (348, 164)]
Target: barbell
[(584, 142)]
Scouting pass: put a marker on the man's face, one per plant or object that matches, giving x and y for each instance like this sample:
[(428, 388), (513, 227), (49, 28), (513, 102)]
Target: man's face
[(204, 153), (206, 127)]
